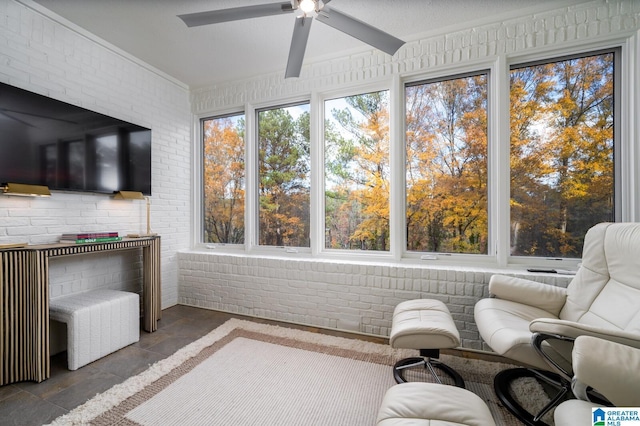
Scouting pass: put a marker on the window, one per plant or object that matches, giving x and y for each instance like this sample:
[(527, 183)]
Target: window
[(284, 176), (446, 165), (557, 163), (223, 197), (562, 165), (356, 186)]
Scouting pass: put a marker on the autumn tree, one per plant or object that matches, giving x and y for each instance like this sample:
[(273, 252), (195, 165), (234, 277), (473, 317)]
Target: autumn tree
[(357, 173), (530, 91), (283, 157), (446, 166), (223, 181), (561, 154)]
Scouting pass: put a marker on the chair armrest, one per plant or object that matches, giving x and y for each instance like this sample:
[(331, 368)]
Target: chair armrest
[(611, 368), (544, 296), (573, 330)]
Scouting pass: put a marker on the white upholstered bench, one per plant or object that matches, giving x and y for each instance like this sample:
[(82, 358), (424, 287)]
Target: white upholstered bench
[(98, 322)]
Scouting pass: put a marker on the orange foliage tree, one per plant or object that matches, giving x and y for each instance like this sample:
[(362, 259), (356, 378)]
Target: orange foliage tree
[(357, 168), (561, 154), (223, 181), (446, 166)]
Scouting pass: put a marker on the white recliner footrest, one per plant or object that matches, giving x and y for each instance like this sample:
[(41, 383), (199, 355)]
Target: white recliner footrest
[(423, 324), (432, 404), (98, 323)]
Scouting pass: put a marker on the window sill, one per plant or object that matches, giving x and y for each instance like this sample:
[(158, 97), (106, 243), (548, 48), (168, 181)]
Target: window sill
[(564, 269)]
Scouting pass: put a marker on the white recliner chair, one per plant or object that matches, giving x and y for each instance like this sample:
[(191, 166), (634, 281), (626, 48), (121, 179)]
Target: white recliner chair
[(611, 368), (536, 324)]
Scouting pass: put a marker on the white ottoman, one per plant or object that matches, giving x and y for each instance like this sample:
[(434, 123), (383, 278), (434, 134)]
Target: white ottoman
[(98, 323), (432, 404), (426, 325)]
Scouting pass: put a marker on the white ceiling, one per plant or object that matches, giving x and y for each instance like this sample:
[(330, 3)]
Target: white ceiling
[(200, 56)]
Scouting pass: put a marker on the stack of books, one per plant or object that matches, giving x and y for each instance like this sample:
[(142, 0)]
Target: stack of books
[(90, 237)]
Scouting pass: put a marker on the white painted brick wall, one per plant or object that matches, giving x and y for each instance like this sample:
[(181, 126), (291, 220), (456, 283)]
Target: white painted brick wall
[(342, 295), (361, 297), (118, 271), (41, 55)]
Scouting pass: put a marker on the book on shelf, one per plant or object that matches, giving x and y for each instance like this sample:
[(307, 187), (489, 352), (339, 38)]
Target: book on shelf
[(85, 235), (90, 240)]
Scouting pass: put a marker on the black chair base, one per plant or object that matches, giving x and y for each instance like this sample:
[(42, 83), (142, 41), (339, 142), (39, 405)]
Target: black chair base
[(502, 382), (427, 362)]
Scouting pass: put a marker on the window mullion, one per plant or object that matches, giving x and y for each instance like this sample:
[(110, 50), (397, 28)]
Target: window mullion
[(316, 139), (627, 141), (499, 171), (251, 183), (397, 218)]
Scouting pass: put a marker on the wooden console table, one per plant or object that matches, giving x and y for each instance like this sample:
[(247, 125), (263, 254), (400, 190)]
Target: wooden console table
[(24, 301)]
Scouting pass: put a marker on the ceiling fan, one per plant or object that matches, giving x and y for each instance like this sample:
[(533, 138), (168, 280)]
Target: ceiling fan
[(309, 8)]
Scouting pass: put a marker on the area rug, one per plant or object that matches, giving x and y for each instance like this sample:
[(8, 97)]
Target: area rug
[(246, 373)]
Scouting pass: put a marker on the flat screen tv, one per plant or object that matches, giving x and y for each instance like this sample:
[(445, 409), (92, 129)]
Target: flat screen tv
[(48, 142)]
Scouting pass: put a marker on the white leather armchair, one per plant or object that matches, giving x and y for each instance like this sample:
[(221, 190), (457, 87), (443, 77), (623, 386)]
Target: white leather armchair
[(536, 324), (611, 368)]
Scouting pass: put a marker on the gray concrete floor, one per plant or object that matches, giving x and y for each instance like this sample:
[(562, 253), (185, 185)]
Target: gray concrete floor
[(30, 403)]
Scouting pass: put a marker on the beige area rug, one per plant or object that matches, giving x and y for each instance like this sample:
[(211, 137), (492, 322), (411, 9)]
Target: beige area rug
[(245, 373)]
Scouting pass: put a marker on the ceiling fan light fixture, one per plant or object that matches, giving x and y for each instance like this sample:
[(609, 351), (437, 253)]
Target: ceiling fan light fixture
[(307, 6), (311, 10)]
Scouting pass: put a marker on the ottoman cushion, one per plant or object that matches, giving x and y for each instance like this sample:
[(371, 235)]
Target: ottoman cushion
[(574, 412), (98, 322), (423, 324), (431, 404)]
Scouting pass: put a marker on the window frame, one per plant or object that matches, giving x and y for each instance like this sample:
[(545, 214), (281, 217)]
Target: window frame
[(322, 184), (197, 179), (622, 182), (426, 255), (201, 198), (498, 67), (318, 192), (252, 208), (491, 67)]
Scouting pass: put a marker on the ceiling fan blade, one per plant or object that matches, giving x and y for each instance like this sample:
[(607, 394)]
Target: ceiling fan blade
[(235, 14), (360, 30), (298, 46)]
